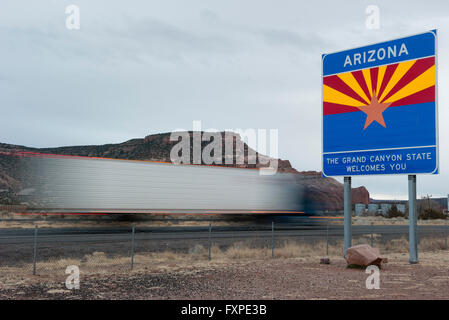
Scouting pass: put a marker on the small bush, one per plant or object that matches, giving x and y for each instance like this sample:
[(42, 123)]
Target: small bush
[(428, 214), (198, 249), (393, 212)]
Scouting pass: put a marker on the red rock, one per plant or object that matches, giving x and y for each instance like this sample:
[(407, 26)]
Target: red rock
[(360, 195), (364, 255), (327, 193)]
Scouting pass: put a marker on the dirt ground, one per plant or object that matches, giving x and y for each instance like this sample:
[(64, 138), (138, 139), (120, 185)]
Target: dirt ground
[(279, 278)]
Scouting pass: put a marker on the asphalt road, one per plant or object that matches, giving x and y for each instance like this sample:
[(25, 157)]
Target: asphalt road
[(306, 231)]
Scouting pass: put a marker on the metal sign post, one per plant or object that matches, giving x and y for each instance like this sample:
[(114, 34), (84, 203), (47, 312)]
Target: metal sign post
[(347, 214), (412, 218)]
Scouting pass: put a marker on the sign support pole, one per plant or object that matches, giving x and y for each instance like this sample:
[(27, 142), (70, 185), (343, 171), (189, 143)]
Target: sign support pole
[(412, 218), (347, 214)]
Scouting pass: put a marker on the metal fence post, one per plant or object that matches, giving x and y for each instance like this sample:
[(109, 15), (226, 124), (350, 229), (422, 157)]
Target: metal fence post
[(445, 238), (327, 239), (372, 235), (132, 248), (272, 239), (210, 231), (35, 249)]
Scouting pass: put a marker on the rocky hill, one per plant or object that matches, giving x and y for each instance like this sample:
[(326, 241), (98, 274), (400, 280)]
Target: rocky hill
[(321, 193), (327, 193)]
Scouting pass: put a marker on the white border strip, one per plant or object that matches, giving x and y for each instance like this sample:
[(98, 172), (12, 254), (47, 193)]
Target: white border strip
[(434, 32), (404, 148), (380, 65)]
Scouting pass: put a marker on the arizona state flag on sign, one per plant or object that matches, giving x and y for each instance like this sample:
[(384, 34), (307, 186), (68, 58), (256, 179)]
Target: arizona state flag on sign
[(380, 108)]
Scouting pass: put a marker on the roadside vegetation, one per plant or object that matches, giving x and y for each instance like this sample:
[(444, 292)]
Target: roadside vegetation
[(428, 214), (393, 212), (198, 255), (424, 213)]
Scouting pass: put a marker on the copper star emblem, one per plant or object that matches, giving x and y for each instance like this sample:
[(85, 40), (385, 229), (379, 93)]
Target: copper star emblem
[(374, 111)]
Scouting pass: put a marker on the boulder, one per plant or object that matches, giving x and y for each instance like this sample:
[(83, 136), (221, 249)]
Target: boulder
[(364, 255)]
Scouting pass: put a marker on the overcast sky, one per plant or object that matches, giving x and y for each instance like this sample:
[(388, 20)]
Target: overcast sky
[(140, 67)]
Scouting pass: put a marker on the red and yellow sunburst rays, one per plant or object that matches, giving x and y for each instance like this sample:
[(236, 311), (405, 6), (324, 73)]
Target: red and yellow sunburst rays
[(374, 90)]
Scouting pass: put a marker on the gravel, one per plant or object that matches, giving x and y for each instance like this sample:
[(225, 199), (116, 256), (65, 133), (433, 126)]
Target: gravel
[(290, 278)]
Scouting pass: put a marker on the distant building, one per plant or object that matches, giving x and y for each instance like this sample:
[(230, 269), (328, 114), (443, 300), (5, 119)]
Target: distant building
[(447, 205), (359, 209), (385, 207), (401, 207), (373, 208)]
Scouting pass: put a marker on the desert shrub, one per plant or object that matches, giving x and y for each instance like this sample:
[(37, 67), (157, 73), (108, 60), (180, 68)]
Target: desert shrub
[(198, 249), (393, 212), (430, 213)]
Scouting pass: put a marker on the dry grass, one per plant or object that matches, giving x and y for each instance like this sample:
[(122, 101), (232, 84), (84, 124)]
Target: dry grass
[(379, 220), (99, 262), (27, 223)]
